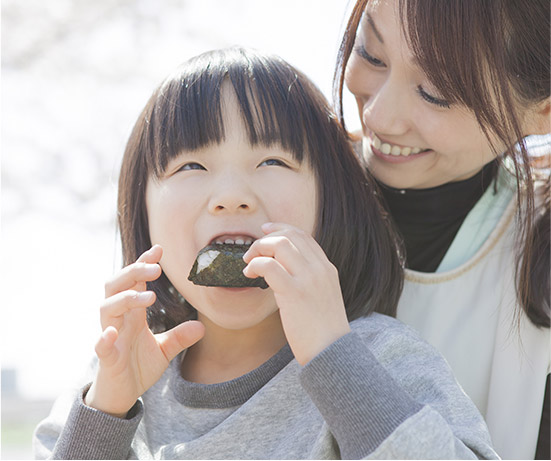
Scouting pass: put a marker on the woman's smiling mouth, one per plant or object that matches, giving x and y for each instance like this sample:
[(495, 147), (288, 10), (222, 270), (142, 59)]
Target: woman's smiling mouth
[(393, 149), (393, 153)]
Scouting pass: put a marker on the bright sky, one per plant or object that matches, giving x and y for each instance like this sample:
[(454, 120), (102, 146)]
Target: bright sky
[(59, 243)]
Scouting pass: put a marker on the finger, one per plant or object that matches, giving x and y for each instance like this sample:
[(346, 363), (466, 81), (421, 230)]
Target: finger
[(134, 276), (275, 274), (302, 239), (306, 265), (296, 250), (278, 247), (105, 349), (180, 337), (153, 255), (287, 229), (121, 303)]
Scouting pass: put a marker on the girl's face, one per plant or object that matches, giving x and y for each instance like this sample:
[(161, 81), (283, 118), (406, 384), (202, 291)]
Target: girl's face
[(411, 137), (222, 192)]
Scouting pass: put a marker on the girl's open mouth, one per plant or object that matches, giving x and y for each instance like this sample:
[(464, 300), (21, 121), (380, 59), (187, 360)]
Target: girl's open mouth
[(233, 240)]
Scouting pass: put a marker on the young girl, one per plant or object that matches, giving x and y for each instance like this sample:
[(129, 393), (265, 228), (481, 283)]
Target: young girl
[(445, 91), (237, 146)]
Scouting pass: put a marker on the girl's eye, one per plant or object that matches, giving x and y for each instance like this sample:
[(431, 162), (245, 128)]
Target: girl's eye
[(273, 162), (432, 99), (191, 166), (361, 51)]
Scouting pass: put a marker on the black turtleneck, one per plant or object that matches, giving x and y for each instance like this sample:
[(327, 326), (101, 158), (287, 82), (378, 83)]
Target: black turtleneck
[(428, 219)]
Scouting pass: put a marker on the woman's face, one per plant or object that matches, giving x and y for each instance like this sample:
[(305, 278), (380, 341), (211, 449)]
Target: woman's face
[(225, 192), (411, 137)]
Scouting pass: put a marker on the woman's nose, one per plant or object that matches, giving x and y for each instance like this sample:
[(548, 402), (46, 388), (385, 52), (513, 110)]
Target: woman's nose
[(232, 194), (385, 110)]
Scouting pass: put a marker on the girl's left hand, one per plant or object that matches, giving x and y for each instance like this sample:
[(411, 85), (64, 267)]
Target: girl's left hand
[(306, 288)]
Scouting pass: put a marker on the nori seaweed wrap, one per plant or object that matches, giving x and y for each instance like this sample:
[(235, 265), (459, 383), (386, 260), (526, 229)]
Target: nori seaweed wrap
[(221, 265)]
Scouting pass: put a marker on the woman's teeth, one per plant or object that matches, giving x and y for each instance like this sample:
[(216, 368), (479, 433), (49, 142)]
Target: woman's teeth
[(391, 149)]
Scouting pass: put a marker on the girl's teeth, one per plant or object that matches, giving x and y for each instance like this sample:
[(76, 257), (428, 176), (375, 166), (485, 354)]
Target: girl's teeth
[(237, 241), (389, 149)]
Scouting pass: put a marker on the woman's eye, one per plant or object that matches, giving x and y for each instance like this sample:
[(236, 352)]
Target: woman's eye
[(191, 166), (432, 99), (362, 52), (272, 162)]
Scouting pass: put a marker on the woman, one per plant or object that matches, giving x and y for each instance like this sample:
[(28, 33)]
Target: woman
[(446, 92)]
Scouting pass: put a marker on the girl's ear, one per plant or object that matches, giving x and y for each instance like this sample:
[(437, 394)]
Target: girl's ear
[(539, 119)]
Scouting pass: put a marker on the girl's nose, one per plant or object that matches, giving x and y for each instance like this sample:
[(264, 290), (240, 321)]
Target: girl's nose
[(384, 111), (233, 194)]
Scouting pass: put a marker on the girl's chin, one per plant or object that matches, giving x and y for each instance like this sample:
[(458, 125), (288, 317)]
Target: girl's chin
[(235, 318), (243, 300), (242, 293)]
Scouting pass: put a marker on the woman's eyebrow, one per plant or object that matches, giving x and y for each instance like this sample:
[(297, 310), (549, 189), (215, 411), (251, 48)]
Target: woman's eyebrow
[(375, 31)]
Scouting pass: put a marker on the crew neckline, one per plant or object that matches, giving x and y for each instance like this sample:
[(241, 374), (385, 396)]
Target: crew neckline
[(229, 393)]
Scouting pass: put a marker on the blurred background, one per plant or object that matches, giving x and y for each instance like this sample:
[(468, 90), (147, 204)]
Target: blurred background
[(75, 75)]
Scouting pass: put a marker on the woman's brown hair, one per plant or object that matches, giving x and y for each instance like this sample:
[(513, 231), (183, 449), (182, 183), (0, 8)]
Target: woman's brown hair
[(493, 57), (279, 105)]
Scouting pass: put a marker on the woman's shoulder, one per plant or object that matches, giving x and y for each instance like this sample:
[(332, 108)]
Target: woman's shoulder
[(376, 323), (407, 357)]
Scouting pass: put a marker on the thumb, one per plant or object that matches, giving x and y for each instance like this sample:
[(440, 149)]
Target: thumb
[(182, 336)]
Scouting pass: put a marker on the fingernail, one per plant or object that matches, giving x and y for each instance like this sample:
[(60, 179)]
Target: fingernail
[(266, 225), (145, 296)]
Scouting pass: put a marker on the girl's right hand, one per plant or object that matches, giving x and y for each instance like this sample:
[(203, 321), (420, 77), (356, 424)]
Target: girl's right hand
[(131, 357)]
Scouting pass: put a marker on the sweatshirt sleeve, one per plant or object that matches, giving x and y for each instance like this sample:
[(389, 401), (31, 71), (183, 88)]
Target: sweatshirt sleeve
[(402, 403), (85, 433)]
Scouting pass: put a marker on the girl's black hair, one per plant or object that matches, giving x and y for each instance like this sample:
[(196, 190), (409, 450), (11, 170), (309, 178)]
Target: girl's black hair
[(278, 105)]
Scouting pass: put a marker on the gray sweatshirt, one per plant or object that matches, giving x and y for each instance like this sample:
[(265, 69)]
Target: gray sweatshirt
[(379, 392)]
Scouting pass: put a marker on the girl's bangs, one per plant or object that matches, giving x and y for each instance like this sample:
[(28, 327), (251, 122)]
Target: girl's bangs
[(186, 112)]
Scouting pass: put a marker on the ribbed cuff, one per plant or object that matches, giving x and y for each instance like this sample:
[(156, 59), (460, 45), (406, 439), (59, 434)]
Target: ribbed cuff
[(92, 434)]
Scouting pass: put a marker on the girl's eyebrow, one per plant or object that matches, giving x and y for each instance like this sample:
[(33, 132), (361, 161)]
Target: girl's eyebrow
[(375, 31)]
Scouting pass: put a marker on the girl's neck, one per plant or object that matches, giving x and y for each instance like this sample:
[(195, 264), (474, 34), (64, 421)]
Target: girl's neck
[(223, 355)]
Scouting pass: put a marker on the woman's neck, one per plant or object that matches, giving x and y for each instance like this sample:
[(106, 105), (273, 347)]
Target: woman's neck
[(429, 219), (223, 354)]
